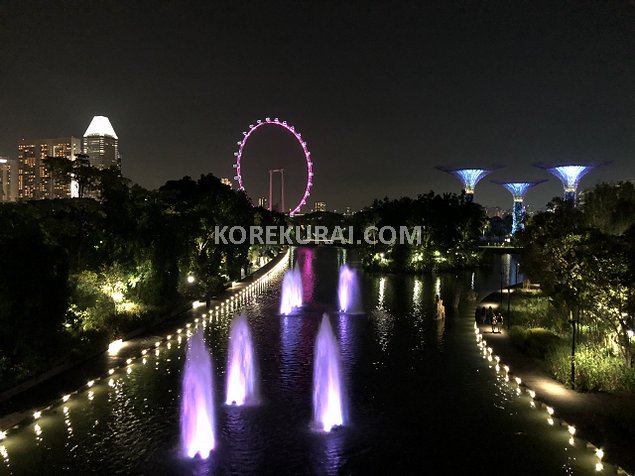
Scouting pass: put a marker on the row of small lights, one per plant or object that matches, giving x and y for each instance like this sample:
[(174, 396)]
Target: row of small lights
[(228, 305), (488, 353)]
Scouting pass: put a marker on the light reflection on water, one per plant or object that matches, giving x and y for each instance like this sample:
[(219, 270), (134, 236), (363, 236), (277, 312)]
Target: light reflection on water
[(420, 395)]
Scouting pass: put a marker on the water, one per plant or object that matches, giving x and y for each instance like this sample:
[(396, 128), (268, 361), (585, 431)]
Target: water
[(242, 374), (291, 297), (348, 291), (197, 404), (328, 391), (420, 397)]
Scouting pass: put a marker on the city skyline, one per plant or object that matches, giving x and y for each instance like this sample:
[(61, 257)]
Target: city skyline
[(382, 95)]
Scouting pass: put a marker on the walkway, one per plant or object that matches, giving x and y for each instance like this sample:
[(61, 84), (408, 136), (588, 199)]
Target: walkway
[(607, 420)]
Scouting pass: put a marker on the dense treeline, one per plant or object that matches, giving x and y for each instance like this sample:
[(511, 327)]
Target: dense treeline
[(584, 259), (451, 226), (78, 271)]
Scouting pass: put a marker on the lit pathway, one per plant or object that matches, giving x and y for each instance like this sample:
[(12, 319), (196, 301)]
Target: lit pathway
[(603, 419)]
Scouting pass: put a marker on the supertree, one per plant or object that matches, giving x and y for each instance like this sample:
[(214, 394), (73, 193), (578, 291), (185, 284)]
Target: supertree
[(518, 191), (469, 177), (570, 176)]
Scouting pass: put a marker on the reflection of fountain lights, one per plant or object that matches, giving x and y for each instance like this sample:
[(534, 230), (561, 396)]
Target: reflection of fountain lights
[(416, 292), (472, 279), (384, 323), (382, 293), (437, 286)]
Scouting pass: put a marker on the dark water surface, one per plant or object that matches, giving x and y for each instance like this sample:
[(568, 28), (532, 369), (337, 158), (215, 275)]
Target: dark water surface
[(422, 400)]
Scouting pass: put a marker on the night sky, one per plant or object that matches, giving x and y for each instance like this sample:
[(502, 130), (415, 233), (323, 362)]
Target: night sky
[(381, 91)]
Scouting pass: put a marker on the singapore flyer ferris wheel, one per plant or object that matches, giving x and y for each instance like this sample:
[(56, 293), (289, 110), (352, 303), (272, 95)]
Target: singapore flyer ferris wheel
[(307, 155)]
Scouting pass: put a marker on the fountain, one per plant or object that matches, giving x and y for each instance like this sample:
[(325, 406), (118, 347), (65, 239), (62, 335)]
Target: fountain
[(348, 290), (197, 402), (328, 391), (241, 365), (291, 299)]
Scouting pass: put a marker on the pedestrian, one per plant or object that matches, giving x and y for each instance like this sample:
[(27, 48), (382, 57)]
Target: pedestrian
[(483, 315), (494, 323), (490, 315), (499, 322)]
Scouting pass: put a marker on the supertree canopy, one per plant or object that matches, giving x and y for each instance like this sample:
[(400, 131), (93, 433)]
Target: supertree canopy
[(469, 177), (570, 176), (518, 191)]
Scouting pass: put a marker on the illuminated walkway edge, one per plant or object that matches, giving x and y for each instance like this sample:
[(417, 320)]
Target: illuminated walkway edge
[(579, 413)]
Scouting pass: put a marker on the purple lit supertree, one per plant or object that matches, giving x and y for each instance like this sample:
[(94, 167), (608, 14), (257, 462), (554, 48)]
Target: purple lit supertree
[(518, 191), (469, 177), (570, 176)]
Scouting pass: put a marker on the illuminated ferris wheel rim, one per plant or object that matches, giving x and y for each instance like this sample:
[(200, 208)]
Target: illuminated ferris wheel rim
[(302, 142)]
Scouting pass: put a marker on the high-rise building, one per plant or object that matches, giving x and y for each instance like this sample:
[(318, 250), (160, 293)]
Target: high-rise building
[(226, 181), (35, 180), (8, 179), (263, 202), (320, 207), (101, 144)]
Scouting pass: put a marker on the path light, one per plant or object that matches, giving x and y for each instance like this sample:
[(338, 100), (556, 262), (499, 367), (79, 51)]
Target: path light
[(128, 361), (550, 410), (115, 346), (37, 415), (550, 421), (90, 383), (191, 279), (518, 381), (571, 430), (3, 435), (111, 371), (599, 467), (65, 398), (599, 453), (111, 383), (532, 394)]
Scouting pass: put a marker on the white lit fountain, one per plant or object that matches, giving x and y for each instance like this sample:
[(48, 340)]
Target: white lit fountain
[(291, 298), (348, 290), (242, 378), (197, 402), (328, 391)]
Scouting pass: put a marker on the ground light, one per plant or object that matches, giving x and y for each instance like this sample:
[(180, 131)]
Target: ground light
[(488, 352)]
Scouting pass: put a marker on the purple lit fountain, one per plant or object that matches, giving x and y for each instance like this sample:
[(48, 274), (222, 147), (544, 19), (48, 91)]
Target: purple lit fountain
[(242, 381), (328, 391), (291, 298), (197, 402), (348, 290)]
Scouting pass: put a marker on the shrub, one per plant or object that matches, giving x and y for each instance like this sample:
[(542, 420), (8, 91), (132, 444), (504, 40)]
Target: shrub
[(596, 369)]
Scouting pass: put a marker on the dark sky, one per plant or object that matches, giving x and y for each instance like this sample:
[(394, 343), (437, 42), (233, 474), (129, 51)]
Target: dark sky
[(381, 91)]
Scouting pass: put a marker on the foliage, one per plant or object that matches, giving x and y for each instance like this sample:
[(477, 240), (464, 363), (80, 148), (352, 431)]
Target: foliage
[(596, 369), (585, 266), (451, 227), (77, 271)]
